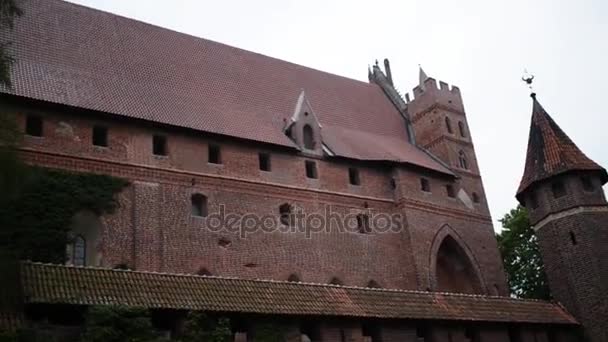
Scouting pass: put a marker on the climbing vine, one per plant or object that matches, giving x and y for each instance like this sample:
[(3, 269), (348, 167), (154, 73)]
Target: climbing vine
[(34, 222)]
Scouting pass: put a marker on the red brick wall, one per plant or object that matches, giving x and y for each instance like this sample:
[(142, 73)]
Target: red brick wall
[(154, 230)]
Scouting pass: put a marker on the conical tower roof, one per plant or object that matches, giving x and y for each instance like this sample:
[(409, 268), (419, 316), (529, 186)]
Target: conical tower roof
[(551, 151)]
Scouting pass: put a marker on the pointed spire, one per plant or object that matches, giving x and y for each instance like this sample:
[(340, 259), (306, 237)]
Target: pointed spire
[(551, 151), (422, 76)]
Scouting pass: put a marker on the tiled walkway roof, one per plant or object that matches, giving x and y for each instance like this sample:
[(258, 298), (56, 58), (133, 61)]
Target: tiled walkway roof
[(551, 151), (85, 58), (45, 283)]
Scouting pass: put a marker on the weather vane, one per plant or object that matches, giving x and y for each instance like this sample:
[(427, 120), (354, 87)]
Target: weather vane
[(528, 78)]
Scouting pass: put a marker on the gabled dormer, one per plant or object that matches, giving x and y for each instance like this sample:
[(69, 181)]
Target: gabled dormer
[(304, 127)]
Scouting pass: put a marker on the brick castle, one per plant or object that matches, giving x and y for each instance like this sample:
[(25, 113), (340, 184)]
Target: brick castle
[(252, 172)]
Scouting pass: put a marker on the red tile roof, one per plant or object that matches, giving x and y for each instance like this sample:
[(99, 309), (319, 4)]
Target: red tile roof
[(81, 57), (551, 152), (43, 283)]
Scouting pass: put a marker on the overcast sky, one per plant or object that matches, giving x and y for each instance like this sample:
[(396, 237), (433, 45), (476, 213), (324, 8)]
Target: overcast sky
[(481, 46)]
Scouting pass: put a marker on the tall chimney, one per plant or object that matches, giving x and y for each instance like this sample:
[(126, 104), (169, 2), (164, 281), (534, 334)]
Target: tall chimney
[(387, 68)]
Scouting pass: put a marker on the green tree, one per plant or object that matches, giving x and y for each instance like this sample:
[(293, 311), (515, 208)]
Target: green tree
[(199, 327), (521, 255), (118, 324)]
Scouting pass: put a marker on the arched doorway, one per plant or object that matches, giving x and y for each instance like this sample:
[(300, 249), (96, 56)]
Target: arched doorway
[(454, 271)]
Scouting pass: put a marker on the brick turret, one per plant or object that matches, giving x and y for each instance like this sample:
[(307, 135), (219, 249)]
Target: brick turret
[(562, 190)]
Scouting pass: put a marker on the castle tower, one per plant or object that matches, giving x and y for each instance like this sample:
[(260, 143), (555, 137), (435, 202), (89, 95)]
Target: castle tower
[(562, 190), (440, 125)]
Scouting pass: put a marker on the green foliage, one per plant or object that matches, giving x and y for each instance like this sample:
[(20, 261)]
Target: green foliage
[(521, 256), (35, 221), (118, 324), (199, 327), (269, 332)]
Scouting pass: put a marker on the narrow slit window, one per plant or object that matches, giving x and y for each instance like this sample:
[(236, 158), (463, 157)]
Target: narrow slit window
[(448, 125), (449, 189), (462, 129), (215, 156), (33, 125), (100, 136), (476, 198), (573, 238), (309, 137), (264, 160), (462, 159), (353, 176), (80, 250), (311, 169), (363, 224), (159, 145), (285, 215)]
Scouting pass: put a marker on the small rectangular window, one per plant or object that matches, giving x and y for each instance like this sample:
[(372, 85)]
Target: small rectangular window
[(587, 183), (311, 169), (215, 156), (33, 125), (558, 189), (159, 145), (353, 176), (264, 159), (100, 136), (450, 191), (425, 185), (533, 200)]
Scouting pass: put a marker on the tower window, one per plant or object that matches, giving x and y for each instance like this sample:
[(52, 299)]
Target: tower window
[(100, 136), (214, 154), (198, 205), (533, 200), (393, 184), (476, 198), (587, 183), (285, 214), (264, 159), (363, 224), (449, 189), (159, 145), (79, 249), (573, 238), (462, 159), (559, 189), (311, 169), (309, 139), (462, 129), (353, 176), (425, 185), (448, 125), (33, 125)]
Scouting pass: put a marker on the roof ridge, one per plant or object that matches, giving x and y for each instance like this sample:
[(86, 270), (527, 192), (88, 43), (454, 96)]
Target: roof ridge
[(257, 280)]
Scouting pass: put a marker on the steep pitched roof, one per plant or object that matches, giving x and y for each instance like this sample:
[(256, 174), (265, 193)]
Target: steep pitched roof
[(81, 57), (44, 283), (551, 152)]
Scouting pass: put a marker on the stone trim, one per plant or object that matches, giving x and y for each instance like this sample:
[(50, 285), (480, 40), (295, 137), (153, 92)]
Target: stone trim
[(568, 212)]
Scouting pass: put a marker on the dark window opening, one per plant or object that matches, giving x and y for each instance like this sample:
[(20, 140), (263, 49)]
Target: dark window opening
[(311, 169), (215, 156), (264, 159), (470, 334), (533, 200), (370, 332), (363, 224), (100, 136), (448, 125), (462, 159), (558, 189), (203, 272), (311, 330), (353, 176), (309, 139), (199, 205), (393, 184), (33, 125), (122, 266), (79, 251), (285, 214), (421, 332), (449, 189), (476, 198), (425, 185), (462, 129), (573, 238), (372, 284), (293, 278), (587, 183), (159, 145), (335, 281)]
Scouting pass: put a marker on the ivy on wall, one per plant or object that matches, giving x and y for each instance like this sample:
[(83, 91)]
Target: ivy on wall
[(34, 222)]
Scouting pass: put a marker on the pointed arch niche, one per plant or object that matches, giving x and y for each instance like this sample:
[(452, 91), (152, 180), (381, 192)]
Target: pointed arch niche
[(453, 267)]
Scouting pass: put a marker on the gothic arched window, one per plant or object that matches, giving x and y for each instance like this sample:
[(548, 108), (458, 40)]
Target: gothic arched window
[(454, 269), (462, 159), (448, 125), (309, 138)]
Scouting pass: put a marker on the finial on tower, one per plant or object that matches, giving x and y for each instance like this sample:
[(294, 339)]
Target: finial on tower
[(529, 78), (422, 76)]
